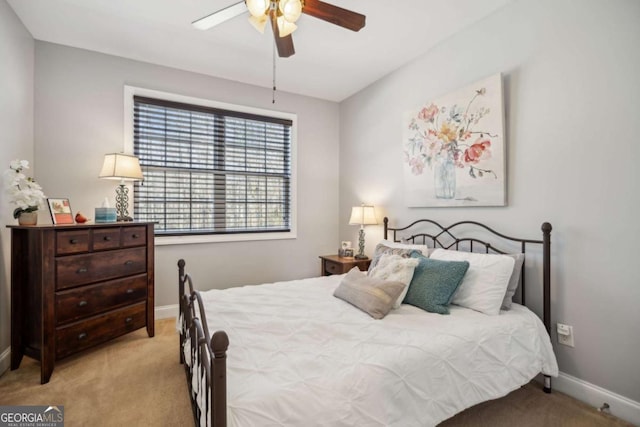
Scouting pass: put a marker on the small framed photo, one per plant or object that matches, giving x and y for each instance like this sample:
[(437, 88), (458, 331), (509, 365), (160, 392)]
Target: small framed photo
[(345, 247), (60, 210)]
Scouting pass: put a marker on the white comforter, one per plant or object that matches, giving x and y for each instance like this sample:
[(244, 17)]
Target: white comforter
[(300, 357)]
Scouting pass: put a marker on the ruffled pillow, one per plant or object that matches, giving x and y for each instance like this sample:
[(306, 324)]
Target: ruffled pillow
[(395, 268), (383, 249)]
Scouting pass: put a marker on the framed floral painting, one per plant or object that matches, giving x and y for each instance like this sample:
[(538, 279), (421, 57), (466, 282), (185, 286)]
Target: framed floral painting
[(454, 148)]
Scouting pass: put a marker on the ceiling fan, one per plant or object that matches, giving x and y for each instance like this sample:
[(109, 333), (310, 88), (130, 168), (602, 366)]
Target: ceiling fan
[(283, 15)]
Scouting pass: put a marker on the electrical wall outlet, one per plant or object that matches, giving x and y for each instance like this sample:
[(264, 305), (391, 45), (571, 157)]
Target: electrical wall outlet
[(565, 334)]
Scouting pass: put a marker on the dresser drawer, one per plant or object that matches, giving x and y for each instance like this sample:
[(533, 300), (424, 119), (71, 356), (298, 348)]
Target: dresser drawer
[(74, 304), (72, 242), (134, 236), (87, 333), (76, 270), (106, 238)]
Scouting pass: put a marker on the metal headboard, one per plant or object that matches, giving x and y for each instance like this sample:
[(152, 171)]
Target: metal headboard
[(444, 237)]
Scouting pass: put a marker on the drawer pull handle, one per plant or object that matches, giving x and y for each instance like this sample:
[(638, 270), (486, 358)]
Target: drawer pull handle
[(82, 336), (129, 291), (107, 238), (134, 236), (73, 241), (128, 320), (82, 303), (82, 270), (128, 262)]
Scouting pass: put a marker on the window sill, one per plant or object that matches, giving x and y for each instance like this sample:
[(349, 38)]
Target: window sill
[(221, 238)]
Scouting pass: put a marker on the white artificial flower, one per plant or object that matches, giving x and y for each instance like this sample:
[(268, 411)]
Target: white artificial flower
[(23, 191)]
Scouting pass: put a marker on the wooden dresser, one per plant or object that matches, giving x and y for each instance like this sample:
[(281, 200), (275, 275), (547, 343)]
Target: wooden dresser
[(75, 286)]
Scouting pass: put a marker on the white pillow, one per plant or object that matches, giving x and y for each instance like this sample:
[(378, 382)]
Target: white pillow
[(424, 249), (397, 269), (484, 285)]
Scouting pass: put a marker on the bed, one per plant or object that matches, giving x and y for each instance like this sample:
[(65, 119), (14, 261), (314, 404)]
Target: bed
[(290, 353)]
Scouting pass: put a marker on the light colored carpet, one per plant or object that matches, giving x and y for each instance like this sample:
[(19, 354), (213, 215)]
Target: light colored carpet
[(133, 380), (137, 381)]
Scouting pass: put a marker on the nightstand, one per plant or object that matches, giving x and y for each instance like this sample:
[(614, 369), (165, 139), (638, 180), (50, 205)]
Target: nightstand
[(333, 264)]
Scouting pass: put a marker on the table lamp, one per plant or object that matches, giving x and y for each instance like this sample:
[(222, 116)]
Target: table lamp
[(362, 215), (124, 167)]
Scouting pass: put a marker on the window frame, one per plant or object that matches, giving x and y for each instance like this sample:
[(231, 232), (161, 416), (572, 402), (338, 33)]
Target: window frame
[(160, 239)]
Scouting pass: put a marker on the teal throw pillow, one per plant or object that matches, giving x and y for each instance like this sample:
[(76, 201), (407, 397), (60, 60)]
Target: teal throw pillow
[(434, 283)]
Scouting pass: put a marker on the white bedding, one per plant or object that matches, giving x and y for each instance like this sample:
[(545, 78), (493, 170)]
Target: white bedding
[(300, 357)]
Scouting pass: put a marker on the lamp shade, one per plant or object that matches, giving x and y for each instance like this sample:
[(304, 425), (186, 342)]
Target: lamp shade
[(121, 166), (290, 9), (285, 27), (258, 7), (363, 215)]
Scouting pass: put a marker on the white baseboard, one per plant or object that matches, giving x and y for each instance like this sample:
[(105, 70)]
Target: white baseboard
[(619, 406), (167, 311)]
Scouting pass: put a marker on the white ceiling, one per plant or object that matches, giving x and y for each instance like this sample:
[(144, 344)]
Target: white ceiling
[(330, 62)]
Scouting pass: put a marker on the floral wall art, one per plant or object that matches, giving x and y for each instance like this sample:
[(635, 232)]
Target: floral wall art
[(454, 149)]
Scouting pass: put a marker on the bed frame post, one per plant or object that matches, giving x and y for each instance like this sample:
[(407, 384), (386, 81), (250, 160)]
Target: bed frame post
[(181, 304), (219, 345), (546, 280), (386, 227)]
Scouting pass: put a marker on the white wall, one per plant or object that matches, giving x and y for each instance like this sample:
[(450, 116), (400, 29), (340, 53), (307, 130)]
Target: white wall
[(79, 117), (572, 79), (16, 141)]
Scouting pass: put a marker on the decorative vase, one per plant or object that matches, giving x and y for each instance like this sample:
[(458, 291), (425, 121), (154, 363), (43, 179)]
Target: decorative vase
[(28, 218), (444, 171)]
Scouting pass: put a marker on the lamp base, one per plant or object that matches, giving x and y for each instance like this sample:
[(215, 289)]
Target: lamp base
[(122, 203)]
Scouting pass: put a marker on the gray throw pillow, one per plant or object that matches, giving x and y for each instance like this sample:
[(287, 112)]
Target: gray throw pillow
[(434, 283), (373, 296), (382, 249), (514, 280)]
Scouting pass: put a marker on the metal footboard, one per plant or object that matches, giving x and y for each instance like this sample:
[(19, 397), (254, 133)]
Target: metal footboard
[(204, 357)]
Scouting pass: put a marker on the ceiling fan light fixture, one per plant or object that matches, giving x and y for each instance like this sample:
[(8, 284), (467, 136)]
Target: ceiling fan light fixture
[(285, 27), (258, 8), (259, 23), (290, 9)]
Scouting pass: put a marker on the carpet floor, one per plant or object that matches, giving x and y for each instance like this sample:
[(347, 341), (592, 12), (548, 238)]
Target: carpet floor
[(137, 381)]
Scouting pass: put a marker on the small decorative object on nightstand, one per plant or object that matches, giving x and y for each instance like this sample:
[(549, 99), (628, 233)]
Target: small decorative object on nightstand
[(334, 264)]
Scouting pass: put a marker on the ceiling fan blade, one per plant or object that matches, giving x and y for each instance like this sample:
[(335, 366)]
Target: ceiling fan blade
[(334, 14), (284, 44), (217, 18)]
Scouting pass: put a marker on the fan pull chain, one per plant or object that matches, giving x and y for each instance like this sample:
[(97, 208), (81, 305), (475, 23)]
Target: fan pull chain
[(273, 94)]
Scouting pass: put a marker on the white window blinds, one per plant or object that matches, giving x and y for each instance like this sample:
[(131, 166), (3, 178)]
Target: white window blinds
[(211, 171)]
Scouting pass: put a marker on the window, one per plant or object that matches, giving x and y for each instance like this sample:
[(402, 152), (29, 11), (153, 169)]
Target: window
[(210, 170)]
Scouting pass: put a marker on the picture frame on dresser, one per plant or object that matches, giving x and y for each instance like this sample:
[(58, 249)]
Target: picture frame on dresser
[(60, 210)]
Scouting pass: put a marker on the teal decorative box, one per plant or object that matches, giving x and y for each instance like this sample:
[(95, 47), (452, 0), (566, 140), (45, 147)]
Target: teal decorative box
[(105, 215)]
